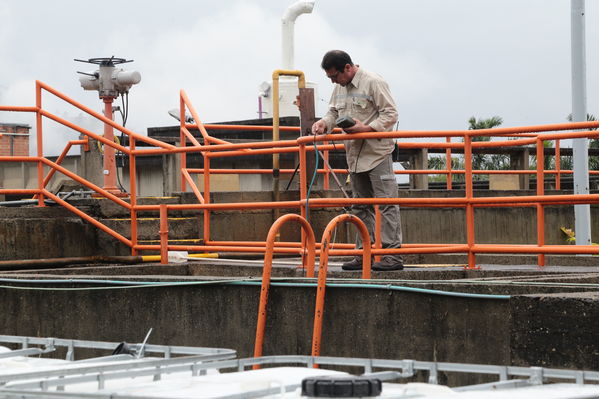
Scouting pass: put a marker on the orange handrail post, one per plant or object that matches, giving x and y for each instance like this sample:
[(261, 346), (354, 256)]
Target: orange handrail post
[(377, 231), (327, 170), (206, 196), (163, 234), (182, 138), (133, 194), (448, 164), (266, 272), (303, 178), (540, 192), (558, 162), (322, 271), (40, 143), (469, 197)]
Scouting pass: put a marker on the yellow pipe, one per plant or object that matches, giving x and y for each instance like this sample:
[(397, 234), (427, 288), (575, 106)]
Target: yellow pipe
[(301, 83), (156, 258)]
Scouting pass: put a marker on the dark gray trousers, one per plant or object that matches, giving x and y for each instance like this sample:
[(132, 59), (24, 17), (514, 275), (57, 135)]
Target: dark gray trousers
[(378, 183)]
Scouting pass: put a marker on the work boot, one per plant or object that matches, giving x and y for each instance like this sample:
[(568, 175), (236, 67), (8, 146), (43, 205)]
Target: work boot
[(388, 263), (354, 264)]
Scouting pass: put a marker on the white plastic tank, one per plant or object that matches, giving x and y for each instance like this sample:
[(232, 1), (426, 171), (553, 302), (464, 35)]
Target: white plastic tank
[(288, 92)]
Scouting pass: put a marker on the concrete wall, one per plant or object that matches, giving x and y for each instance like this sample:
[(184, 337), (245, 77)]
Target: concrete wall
[(550, 330), (358, 323)]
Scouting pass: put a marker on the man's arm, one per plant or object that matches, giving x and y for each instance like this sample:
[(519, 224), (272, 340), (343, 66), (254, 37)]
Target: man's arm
[(386, 106)]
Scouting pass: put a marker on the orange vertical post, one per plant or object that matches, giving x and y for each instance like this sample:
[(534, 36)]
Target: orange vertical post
[(327, 171), (40, 143), (133, 194), (558, 164), (109, 170), (322, 271), (182, 139), (540, 192), (469, 197), (448, 164), (302, 177), (206, 196), (377, 231), (163, 234)]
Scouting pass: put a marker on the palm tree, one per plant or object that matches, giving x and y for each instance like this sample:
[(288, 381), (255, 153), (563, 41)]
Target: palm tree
[(488, 123), (482, 161)]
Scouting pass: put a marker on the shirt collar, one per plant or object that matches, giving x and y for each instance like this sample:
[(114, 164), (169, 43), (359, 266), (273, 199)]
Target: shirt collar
[(357, 77)]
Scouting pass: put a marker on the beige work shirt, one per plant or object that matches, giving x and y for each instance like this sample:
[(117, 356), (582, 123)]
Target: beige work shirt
[(367, 98)]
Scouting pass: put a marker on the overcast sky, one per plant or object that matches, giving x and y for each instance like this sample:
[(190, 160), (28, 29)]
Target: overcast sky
[(445, 60)]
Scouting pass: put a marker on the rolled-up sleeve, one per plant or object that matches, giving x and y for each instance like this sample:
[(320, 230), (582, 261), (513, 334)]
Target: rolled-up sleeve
[(385, 105)]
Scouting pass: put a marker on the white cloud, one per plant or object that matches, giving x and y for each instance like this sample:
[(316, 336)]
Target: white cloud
[(445, 61)]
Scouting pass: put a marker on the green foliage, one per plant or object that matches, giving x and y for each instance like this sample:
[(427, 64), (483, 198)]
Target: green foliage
[(486, 161)]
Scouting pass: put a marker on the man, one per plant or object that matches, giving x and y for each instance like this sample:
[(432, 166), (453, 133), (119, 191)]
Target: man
[(365, 97)]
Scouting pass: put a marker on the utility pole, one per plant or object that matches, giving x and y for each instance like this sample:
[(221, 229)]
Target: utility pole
[(582, 213)]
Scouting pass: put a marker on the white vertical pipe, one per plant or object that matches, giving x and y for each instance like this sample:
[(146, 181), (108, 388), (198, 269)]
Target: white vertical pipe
[(582, 213), (288, 26)]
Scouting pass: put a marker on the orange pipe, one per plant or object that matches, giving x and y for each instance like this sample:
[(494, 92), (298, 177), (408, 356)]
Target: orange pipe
[(40, 145), (270, 246), (250, 128), (377, 231), (133, 195), (182, 140), (86, 132), (62, 157), (540, 192), (558, 177), (88, 218), (206, 197), (448, 164), (193, 186), (322, 271), (86, 183), (163, 234), (193, 140), (469, 197), (97, 115)]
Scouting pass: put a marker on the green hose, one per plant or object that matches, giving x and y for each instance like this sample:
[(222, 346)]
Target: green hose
[(121, 284)]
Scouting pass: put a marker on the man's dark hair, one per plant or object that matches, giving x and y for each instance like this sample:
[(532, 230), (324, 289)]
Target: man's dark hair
[(336, 59)]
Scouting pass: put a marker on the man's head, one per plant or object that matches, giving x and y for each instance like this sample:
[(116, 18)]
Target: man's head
[(339, 67)]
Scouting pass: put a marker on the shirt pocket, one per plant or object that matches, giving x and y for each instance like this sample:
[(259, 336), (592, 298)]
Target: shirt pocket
[(341, 108), (360, 107)]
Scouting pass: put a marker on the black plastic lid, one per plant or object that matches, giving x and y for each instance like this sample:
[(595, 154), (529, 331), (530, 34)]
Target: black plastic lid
[(341, 387)]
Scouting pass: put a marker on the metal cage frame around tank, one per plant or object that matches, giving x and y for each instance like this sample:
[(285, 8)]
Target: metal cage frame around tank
[(391, 370)]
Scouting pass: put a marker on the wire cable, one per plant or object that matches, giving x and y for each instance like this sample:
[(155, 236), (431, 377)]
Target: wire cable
[(312, 181)]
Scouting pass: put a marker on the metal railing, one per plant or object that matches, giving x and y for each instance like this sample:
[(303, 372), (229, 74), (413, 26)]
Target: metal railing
[(215, 148), (40, 384)]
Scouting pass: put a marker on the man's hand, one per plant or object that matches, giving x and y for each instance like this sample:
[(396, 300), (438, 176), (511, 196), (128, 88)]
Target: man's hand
[(359, 127), (319, 127)]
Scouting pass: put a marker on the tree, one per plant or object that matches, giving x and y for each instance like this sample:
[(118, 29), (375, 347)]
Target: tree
[(483, 161)]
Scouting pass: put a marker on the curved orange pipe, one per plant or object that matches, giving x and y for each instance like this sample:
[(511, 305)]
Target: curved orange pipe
[(270, 244), (322, 270)]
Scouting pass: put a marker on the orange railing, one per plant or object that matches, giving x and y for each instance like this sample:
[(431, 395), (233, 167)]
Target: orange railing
[(210, 147)]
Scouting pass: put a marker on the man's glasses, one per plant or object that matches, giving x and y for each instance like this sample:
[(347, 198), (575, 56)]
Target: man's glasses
[(334, 75)]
